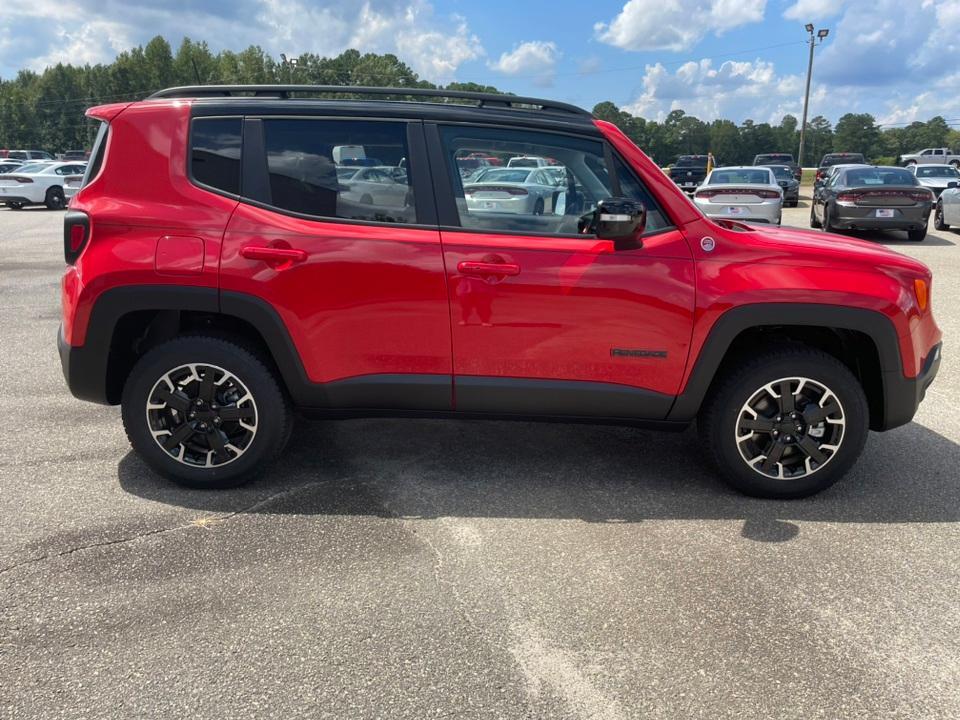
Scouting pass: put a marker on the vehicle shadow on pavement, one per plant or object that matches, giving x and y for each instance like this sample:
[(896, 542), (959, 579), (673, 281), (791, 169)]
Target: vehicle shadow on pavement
[(421, 469)]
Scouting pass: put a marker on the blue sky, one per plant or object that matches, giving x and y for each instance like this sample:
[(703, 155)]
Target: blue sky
[(897, 59)]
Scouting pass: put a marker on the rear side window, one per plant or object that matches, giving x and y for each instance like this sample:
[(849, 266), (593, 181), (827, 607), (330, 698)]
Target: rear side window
[(348, 169), (96, 154), (215, 153)]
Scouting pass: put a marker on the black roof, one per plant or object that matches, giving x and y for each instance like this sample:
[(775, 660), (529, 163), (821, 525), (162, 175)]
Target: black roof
[(389, 102)]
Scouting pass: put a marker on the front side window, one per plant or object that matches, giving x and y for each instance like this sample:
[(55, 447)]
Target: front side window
[(215, 156), (349, 169), (546, 184)]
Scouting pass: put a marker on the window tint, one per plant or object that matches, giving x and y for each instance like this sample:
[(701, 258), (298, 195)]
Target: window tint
[(879, 176), (215, 159), (740, 177), (558, 199), (306, 177)]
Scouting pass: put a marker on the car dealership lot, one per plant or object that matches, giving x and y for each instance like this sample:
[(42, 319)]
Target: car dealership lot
[(463, 569)]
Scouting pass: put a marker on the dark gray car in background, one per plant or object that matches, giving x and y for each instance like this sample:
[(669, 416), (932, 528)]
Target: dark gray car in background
[(869, 197), (789, 183)]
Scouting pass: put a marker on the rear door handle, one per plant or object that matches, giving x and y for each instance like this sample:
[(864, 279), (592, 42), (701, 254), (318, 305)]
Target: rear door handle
[(273, 254), (472, 267)]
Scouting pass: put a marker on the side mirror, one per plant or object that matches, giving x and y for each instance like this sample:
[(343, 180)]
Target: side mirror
[(953, 184), (621, 220)]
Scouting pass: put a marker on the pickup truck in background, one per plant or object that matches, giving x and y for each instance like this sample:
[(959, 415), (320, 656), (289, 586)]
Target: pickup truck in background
[(689, 171), (936, 156)]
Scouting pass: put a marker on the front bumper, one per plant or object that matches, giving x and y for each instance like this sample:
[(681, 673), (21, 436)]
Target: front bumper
[(903, 395)]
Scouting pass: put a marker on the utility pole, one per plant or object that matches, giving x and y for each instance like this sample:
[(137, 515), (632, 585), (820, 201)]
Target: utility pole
[(813, 42)]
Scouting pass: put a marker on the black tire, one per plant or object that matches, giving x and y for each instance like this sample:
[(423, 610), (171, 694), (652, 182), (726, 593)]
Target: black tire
[(917, 234), (938, 222), (719, 423), (538, 207), (55, 199), (271, 414), (15, 205), (814, 223), (826, 219)]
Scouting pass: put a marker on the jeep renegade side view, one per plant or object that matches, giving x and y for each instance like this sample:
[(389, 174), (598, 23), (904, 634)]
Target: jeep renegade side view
[(228, 261)]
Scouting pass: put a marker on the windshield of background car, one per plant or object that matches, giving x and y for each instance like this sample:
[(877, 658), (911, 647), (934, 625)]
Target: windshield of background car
[(502, 175), (773, 158), (878, 176), (782, 172), (740, 177), (937, 172), (841, 159), (692, 161)]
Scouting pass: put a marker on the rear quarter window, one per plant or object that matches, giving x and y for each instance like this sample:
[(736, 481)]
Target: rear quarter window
[(215, 153), (96, 154)]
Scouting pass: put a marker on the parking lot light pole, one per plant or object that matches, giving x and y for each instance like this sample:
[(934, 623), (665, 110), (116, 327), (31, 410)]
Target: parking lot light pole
[(813, 42)]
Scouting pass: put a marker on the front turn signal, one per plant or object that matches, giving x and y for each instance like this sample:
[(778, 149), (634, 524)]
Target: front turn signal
[(922, 292)]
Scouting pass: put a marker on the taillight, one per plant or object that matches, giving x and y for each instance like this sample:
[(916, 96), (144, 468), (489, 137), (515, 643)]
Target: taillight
[(848, 197), (707, 194), (768, 194), (921, 196), (76, 234)]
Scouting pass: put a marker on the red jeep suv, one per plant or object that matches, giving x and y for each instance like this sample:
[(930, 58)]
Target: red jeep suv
[(236, 252)]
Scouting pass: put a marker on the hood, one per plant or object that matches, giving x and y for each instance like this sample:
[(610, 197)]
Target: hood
[(795, 246)]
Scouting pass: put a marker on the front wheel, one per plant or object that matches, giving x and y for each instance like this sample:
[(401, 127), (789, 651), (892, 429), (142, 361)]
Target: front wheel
[(814, 223), (787, 424), (917, 234), (938, 221), (204, 412)]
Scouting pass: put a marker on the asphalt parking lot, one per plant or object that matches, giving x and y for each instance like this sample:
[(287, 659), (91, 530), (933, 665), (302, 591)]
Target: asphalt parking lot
[(414, 569)]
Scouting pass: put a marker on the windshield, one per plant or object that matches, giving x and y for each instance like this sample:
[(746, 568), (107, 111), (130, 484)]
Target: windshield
[(740, 177), (782, 172), (937, 172), (772, 158), (879, 176), (509, 175), (841, 158), (692, 161)]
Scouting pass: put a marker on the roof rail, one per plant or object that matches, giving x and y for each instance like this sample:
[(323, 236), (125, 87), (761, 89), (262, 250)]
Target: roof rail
[(285, 91)]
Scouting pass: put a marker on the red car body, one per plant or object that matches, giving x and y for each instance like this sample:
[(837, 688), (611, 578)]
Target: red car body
[(367, 307)]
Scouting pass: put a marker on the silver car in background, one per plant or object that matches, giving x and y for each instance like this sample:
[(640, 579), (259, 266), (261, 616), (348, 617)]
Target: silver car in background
[(517, 190), (946, 213), (745, 193), (935, 177)]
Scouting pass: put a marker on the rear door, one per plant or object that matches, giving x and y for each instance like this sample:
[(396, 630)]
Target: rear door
[(546, 318), (356, 277)]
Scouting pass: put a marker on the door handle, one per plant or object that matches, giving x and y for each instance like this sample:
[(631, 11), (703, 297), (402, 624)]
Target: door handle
[(273, 254), (472, 267)]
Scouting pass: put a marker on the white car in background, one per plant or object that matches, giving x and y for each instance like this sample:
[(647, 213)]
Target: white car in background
[(41, 183), (947, 210), (935, 177), (515, 190), (384, 185), (745, 193)]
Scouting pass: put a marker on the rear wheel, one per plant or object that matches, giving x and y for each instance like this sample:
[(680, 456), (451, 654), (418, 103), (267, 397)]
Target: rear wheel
[(826, 218), (55, 199), (204, 412), (917, 234), (787, 424), (814, 223), (938, 222), (15, 205), (538, 207)]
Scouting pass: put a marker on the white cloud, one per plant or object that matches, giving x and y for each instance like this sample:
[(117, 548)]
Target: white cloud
[(675, 24), (811, 10), (46, 32), (734, 90), (535, 59)]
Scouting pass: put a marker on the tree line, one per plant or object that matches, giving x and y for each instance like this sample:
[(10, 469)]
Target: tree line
[(45, 110)]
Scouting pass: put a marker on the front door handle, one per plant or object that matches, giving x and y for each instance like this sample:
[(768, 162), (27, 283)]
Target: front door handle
[(273, 254), (472, 267)]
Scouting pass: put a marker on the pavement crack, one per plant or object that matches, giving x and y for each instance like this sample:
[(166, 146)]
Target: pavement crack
[(203, 522)]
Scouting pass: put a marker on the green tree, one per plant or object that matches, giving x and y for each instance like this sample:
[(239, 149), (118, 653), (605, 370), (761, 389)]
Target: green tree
[(857, 132)]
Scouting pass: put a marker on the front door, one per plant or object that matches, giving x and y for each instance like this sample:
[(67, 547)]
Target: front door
[(546, 318)]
